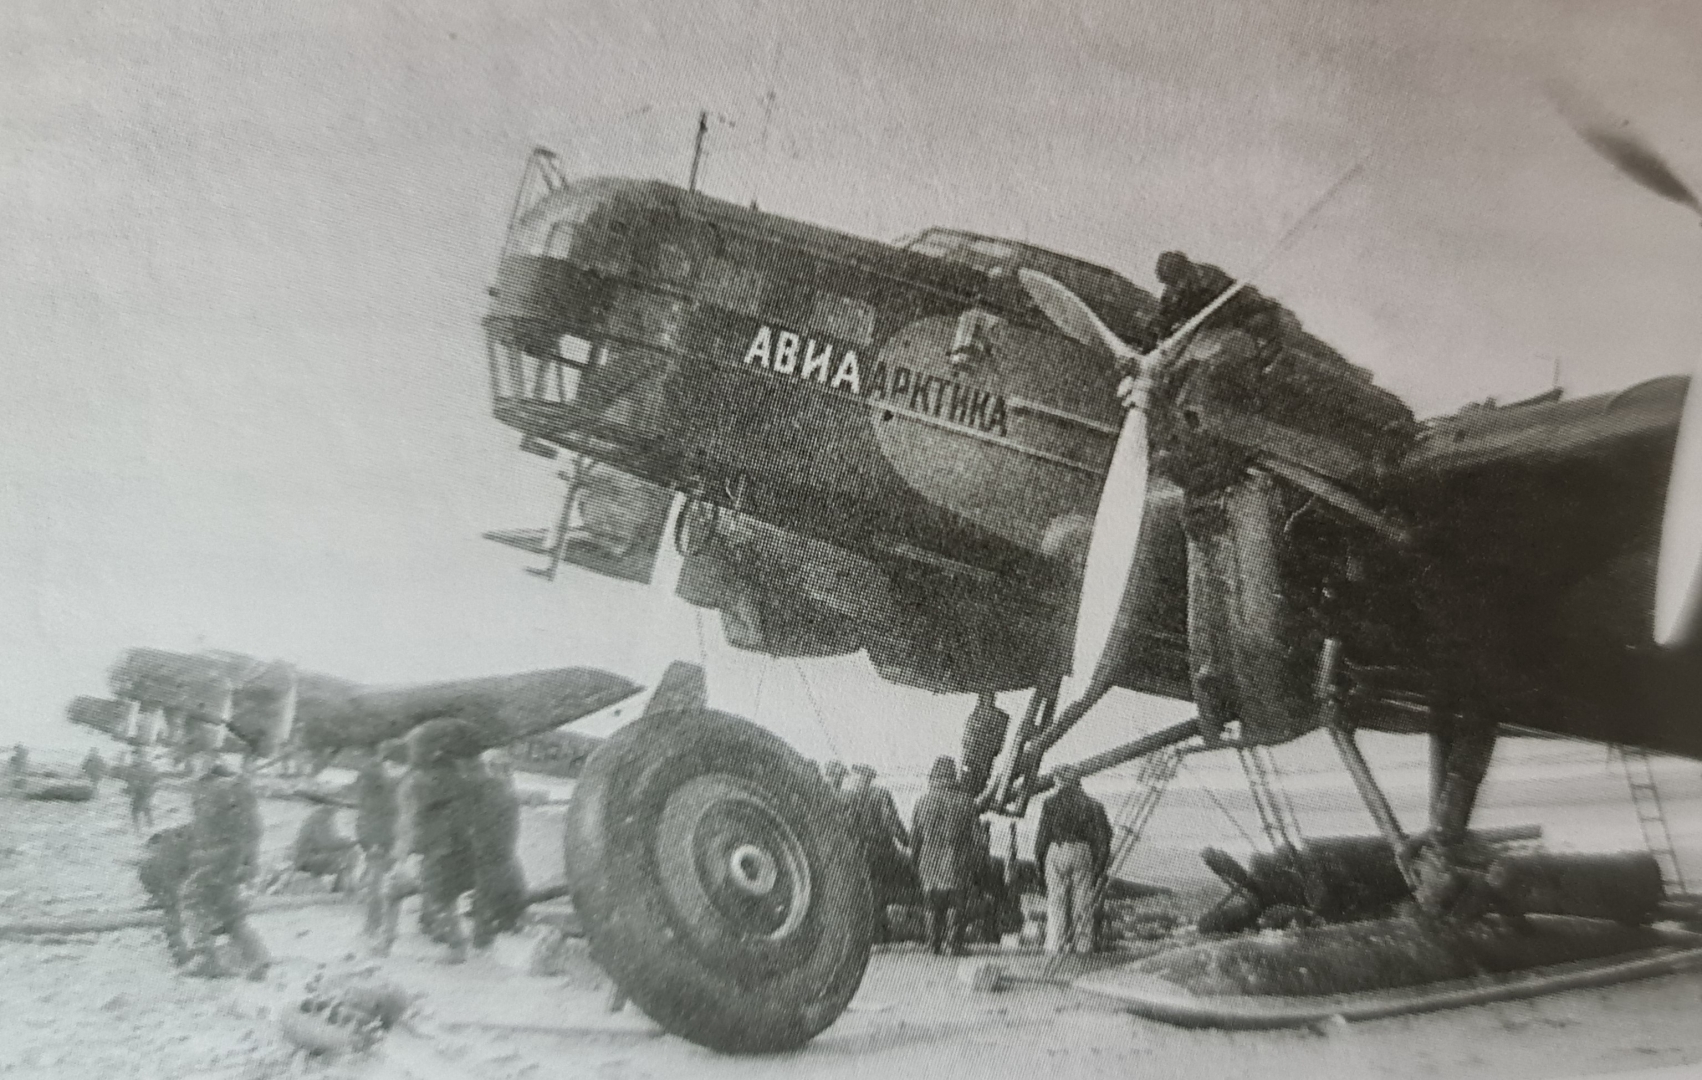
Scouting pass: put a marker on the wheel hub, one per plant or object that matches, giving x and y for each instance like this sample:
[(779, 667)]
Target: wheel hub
[(731, 866), (753, 870)]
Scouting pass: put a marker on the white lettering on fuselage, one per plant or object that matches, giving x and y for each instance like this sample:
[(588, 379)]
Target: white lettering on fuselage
[(786, 352)]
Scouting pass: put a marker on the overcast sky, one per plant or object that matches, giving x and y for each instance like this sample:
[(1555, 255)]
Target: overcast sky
[(244, 245)]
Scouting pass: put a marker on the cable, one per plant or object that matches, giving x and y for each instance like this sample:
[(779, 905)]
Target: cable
[(1287, 798), (761, 679), (1233, 820), (702, 648), (821, 717)]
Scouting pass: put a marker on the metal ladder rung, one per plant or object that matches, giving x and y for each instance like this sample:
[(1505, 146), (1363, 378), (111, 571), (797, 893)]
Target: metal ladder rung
[(1651, 815)]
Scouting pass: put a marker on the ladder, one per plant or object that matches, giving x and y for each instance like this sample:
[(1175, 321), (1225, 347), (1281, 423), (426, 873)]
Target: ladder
[(1155, 774), (1651, 816)]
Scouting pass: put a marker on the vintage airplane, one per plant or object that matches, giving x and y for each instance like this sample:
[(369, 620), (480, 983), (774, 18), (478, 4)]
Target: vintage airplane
[(217, 700), (904, 449)]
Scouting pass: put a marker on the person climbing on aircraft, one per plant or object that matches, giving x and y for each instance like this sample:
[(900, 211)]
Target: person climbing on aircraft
[(944, 835), (833, 775), (1189, 286)]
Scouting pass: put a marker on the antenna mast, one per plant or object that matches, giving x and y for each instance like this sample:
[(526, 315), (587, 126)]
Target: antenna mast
[(697, 148)]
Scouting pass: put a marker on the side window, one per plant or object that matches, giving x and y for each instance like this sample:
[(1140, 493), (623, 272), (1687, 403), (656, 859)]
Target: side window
[(673, 263), (728, 285), (559, 244), (685, 246), (843, 318)]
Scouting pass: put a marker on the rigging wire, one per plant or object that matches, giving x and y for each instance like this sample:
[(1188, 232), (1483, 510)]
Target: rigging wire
[(1233, 820), (820, 717), (761, 680), (1256, 791), (702, 647), (1281, 784)]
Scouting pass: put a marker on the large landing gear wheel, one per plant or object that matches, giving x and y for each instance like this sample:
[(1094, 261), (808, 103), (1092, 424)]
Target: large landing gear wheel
[(717, 882)]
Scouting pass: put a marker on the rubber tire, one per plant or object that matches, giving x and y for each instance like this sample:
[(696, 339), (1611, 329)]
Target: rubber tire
[(715, 993)]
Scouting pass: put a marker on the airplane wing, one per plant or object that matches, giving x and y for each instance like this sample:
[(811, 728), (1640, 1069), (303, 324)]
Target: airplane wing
[(503, 707), (1549, 433), (1539, 527), (1549, 492)]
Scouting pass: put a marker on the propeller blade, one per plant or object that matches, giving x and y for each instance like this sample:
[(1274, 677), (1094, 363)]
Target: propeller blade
[(1616, 140), (1111, 551), (1678, 568), (1122, 503), (1072, 315)]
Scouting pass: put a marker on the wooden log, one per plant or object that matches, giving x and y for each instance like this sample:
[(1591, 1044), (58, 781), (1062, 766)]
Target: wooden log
[(103, 922), (1625, 887)]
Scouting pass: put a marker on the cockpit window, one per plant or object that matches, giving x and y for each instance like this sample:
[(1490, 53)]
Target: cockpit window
[(982, 253), (1125, 307), (549, 225), (991, 249), (938, 244)]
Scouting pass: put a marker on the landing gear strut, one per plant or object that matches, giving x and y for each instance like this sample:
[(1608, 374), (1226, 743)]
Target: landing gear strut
[(1460, 754)]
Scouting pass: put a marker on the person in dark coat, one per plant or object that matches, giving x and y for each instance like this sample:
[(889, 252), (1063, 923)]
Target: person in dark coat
[(1073, 848), (322, 851), (943, 844), (223, 858), (164, 869), (437, 825), (1190, 286), (140, 780), (833, 775), (875, 823), (94, 767), (499, 884), (377, 807), (983, 737), (993, 908)]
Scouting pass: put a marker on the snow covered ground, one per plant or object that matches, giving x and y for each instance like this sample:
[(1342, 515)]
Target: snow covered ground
[(104, 1007)]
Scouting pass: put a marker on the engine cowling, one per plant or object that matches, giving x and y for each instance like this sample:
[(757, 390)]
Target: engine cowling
[(1255, 597)]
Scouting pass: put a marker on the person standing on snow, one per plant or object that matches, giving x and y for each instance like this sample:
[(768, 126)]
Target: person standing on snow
[(943, 839), (874, 821), (499, 884), (94, 767), (436, 825), (140, 780), (377, 807), (164, 869), (223, 858), (1073, 848)]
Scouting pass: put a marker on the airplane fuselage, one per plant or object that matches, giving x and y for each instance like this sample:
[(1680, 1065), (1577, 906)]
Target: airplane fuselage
[(905, 456)]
